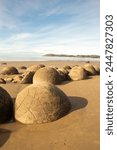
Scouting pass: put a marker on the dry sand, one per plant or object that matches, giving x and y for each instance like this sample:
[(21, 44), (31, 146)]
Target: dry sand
[(79, 130)]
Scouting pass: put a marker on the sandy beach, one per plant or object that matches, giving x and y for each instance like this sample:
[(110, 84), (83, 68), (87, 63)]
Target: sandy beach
[(78, 130)]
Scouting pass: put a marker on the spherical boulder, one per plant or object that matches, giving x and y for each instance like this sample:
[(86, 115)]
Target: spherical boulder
[(90, 69), (65, 71), (27, 77), (6, 106), (47, 74), (97, 68), (67, 67), (34, 68), (63, 76), (3, 63), (77, 73), (9, 70), (23, 67), (41, 103)]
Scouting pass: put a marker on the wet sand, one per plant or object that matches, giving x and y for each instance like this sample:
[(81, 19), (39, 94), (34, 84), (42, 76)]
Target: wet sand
[(79, 130)]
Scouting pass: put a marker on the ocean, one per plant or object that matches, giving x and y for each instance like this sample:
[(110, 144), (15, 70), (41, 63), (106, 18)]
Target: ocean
[(30, 57)]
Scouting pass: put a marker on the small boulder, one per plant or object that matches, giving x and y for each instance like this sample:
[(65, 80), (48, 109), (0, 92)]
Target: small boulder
[(27, 77), (65, 71), (23, 67), (2, 81), (17, 79), (90, 69), (63, 76), (9, 70), (9, 79), (3, 63), (97, 68)]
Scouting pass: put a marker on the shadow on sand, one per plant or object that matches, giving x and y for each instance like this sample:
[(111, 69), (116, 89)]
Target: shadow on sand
[(77, 103), (4, 136), (69, 81)]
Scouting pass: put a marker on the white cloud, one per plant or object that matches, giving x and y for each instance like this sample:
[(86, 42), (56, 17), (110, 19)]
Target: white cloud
[(58, 39), (63, 37), (21, 37)]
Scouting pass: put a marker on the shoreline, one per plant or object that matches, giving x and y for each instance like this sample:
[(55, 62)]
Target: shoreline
[(53, 58), (46, 61)]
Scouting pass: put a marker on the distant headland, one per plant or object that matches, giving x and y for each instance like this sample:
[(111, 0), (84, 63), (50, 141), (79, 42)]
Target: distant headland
[(65, 55)]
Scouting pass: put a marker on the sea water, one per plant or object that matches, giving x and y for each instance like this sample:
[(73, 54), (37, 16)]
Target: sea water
[(41, 57)]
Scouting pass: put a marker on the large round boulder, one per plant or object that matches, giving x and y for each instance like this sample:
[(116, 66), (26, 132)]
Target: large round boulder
[(77, 73), (41, 103), (65, 71), (47, 74), (6, 106), (90, 69), (64, 74), (34, 68), (9, 70)]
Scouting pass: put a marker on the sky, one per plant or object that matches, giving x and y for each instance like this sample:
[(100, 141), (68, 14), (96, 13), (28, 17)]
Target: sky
[(49, 26)]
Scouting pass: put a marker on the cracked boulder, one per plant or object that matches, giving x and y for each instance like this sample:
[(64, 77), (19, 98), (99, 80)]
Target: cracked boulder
[(6, 106), (77, 73), (41, 103), (90, 69)]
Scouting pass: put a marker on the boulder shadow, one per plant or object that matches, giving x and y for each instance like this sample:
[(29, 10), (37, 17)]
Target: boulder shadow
[(66, 82), (89, 77), (4, 136), (77, 103), (69, 81)]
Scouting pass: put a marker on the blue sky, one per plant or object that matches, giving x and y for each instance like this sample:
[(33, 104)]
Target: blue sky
[(49, 26)]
